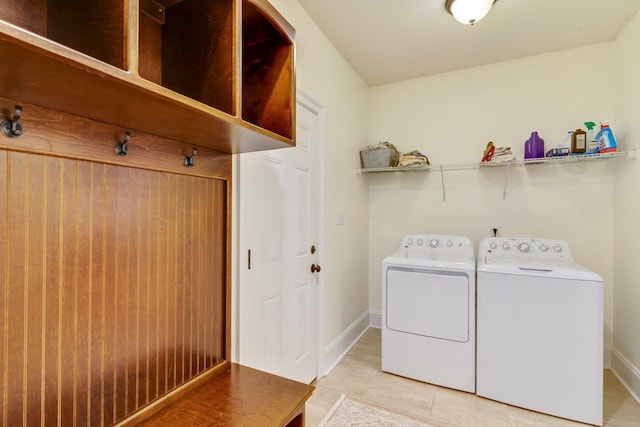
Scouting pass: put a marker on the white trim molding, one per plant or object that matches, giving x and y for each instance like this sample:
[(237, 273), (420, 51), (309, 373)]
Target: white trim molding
[(335, 351), (628, 374), (606, 359), (375, 319)]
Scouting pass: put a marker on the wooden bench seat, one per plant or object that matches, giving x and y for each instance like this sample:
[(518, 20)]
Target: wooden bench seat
[(238, 396)]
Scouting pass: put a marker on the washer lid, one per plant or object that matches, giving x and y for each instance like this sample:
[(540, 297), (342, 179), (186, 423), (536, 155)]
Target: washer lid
[(547, 268)]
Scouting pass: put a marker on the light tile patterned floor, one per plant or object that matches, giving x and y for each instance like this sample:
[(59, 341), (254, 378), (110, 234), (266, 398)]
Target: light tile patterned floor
[(358, 374)]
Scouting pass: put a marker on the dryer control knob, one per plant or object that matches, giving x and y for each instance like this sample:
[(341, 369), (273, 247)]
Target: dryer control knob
[(524, 247), (410, 242), (544, 248), (419, 242), (493, 245), (449, 243), (557, 248), (506, 246), (434, 243)]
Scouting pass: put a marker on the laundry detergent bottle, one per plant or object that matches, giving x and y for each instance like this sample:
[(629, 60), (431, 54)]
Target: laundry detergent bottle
[(604, 141), (534, 147)]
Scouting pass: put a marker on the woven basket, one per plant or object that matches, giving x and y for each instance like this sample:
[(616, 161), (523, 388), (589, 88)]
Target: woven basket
[(379, 158)]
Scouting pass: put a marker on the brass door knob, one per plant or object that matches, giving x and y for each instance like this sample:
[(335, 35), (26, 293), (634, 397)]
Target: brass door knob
[(315, 268)]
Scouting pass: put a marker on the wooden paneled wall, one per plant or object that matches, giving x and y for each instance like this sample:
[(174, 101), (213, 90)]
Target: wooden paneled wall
[(113, 283)]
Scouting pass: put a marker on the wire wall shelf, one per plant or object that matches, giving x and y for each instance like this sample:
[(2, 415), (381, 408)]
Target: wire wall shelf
[(467, 166), (632, 154)]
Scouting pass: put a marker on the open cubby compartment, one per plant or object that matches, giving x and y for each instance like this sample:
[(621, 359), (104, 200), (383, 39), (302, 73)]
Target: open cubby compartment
[(95, 28), (187, 46), (268, 98)]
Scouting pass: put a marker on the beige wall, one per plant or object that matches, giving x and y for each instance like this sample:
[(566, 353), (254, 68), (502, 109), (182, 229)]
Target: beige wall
[(450, 118), (626, 302), (325, 76)]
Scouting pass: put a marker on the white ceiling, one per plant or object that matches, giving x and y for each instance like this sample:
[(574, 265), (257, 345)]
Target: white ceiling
[(387, 41)]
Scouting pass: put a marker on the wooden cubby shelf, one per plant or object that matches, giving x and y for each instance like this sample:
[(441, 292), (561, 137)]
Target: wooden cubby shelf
[(189, 49), (96, 29), (214, 73), (267, 69)]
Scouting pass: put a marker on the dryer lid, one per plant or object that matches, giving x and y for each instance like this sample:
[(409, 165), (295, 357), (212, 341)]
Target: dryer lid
[(561, 269), (416, 258)]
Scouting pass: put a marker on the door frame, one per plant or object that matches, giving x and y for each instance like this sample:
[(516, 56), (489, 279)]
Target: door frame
[(306, 101)]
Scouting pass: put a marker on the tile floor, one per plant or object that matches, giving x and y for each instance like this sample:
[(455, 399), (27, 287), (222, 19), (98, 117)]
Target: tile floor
[(358, 374)]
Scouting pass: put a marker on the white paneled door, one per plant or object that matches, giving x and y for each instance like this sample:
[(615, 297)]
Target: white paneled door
[(278, 286)]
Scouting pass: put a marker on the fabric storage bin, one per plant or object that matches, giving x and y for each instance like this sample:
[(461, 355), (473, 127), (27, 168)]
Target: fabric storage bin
[(379, 158)]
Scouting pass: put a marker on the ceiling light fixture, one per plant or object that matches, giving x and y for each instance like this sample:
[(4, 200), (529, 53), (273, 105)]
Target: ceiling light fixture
[(468, 11)]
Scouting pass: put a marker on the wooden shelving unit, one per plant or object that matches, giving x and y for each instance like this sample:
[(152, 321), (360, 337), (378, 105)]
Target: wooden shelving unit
[(128, 303), (217, 74)]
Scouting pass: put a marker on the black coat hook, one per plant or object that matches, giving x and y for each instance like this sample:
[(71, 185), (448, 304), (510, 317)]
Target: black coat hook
[(188, 160), (12, 128), (121, 148)]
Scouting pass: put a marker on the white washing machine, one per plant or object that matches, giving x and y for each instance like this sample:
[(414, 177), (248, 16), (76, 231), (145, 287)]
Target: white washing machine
[(540, 328), (428, 311)]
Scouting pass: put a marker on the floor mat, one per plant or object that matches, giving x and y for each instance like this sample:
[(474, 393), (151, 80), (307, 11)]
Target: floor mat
[(350, 412)]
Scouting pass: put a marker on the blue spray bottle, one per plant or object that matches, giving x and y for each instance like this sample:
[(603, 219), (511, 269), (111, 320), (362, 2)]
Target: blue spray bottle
[(604, 140)]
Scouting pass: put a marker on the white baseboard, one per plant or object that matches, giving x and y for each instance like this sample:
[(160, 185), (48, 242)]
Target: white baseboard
[(375, 319), (628, 374), (607, 357), (335, 351)]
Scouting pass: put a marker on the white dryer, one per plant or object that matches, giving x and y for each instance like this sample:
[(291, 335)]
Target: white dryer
[(540, 328), (428, 311)]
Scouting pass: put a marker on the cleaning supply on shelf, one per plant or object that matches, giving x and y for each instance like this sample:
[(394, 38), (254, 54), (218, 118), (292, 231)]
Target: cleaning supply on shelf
[(605, 142), (579, 142), (488, 152), (558, 152), (590, 137), (534, 147), (563, 149), (413, 159), (493, 154)]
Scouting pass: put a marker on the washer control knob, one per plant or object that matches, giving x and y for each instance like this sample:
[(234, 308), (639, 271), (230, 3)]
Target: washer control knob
[(493, 245), (544, 248), (506, 246), (557, 248), (449, 243), (524, 247), (409, 242), (419, 242), (434, 243)]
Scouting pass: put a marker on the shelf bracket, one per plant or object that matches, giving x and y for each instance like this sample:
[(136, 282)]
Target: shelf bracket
[(12, 128), (444, 196), (506, 181)]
